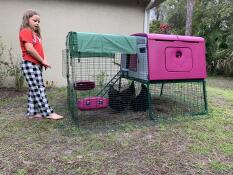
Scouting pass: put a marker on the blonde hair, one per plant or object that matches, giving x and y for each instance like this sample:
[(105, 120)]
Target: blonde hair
[(25, 22)]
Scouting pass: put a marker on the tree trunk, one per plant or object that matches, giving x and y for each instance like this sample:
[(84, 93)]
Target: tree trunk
[(188, 27), (157, 9), (157, 12)]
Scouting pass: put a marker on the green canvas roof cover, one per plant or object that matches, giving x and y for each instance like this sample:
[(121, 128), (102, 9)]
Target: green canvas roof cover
[(99, 45)]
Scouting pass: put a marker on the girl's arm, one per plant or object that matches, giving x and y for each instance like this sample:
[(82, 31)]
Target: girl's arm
[(32, 51), (45, 60), (45, 57)]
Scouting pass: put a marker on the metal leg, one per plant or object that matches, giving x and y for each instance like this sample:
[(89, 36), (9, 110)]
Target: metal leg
[(205, 96), (74, 111), (150, 114), (161, 90)]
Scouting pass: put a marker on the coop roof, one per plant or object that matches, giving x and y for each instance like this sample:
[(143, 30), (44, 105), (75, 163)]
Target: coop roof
[(164, 37), (100, 44)]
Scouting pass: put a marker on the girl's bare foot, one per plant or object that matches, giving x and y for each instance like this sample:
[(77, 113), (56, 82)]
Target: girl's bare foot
[(54, 116), (37, 116)]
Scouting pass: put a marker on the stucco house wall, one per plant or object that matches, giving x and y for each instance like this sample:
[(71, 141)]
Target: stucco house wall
[(58, 17)]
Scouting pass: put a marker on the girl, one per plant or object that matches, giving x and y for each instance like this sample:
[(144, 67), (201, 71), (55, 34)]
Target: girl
[(34, 60)]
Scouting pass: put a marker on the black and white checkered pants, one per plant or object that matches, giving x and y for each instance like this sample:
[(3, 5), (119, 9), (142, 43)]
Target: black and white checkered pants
[(37, 99)]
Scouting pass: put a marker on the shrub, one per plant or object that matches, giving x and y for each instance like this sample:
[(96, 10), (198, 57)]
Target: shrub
[(10, 67)]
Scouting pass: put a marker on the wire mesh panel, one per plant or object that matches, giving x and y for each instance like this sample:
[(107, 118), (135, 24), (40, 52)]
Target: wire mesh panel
[(99, 69), (136, 65), (169, 99), (64, 63)]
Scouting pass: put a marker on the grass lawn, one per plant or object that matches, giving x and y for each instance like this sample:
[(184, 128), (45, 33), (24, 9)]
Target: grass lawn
[(122, 147)]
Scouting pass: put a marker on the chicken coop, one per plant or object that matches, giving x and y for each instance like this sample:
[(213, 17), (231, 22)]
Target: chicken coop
[(158, 75)]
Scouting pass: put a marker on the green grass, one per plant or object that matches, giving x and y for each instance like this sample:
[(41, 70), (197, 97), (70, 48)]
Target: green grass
[(220, 167), (226, 94), (21, 172), (227, 149), (115, 144)]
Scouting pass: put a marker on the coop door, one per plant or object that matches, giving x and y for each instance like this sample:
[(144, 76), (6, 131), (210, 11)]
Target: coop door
[(131, 62), (179, 59)]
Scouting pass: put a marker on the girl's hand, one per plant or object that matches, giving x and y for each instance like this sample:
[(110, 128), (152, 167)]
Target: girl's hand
[(46, 65)]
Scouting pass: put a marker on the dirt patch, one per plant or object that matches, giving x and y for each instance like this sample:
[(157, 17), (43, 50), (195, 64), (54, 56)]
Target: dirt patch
[(220, 82), (11, 92), (161, 107)]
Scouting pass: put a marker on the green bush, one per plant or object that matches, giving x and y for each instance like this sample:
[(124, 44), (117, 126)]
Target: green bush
[(10, 66), (212, 20)]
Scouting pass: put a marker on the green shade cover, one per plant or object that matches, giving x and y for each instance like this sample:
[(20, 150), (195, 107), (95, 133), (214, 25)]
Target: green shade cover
[(99, 45)]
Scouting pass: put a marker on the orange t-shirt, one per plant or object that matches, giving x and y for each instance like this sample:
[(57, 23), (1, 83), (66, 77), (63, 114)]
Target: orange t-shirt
[(27, 36)]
